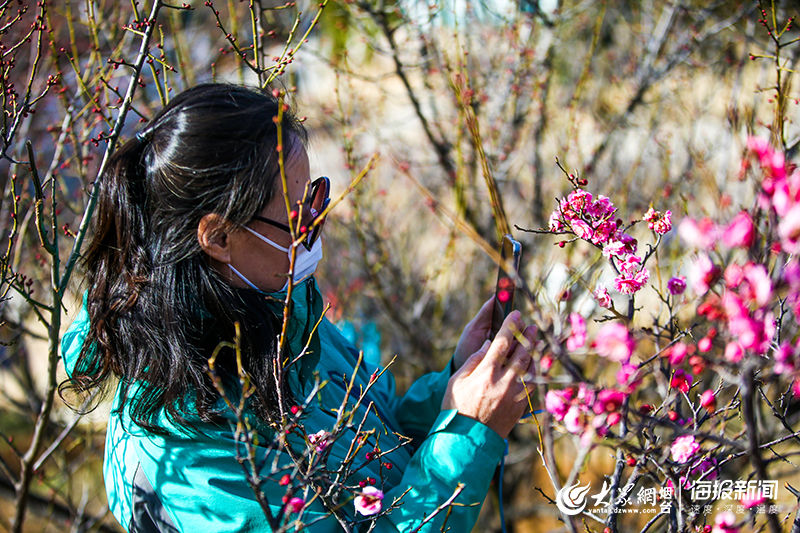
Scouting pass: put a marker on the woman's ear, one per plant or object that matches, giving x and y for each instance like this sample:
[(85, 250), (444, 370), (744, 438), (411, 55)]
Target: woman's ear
[(212, 234)]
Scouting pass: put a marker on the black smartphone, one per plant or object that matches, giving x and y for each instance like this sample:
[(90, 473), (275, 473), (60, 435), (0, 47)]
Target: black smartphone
[(510, 251)]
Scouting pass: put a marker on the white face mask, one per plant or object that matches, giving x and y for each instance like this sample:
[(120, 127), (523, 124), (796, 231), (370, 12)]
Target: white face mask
[(305, 262)]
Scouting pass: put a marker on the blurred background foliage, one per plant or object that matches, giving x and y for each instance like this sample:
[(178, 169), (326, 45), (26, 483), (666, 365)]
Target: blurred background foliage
[(650, 101)]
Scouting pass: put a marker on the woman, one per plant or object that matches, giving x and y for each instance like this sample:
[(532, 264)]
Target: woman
[(191, 241)]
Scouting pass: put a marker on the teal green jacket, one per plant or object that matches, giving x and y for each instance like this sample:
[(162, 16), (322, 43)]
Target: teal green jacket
[(190, 481)]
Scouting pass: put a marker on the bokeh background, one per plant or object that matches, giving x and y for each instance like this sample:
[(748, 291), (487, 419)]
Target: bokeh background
[(650, 101)]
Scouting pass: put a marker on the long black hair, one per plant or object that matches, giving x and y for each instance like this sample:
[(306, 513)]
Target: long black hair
[(157, 307)]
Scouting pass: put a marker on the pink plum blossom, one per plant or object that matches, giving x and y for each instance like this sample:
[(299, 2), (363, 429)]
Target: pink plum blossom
[(759, 146), (369, 501), (557, 402), (615, 342), (734, 275), (698, 234), (572, 420), (725, 522), (789, 230), (630, 264), (585, 394), (604, 232), (565, 211), (615, 249), (771, 160), (628, 375), (584, 411), (734, 352), (581, 229), (752, 500), (784, 359), (750, 333), (588, 219), (791, 274), (602, 208), (740, 232), (703, 273), (608, 401), (602, 297), (684, 448), (759, 284), (782, 197), (555, 223), (629, 242), (705, 344), (734, 306), (676, 285), (632, 276), (579, 200), (660, 223), (577, 336), (621, 246), (319, 440), (677, 353), (629, 284)]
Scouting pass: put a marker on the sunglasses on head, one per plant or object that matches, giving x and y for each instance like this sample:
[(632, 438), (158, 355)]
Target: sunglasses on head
[(317, 201)]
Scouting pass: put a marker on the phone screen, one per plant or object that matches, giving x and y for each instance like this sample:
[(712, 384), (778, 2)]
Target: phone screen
[(510, 250)]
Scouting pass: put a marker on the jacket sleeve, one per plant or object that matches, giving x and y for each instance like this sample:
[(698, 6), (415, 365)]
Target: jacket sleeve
[(457, 450), (208, 492), (415, 412), (419, 407), (450, 449)]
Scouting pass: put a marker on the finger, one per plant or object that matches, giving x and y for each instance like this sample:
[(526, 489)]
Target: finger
[(527, 338), (505, 340), (531, 371), (474, 360), (519, 360), (485, 312), (481, 323)]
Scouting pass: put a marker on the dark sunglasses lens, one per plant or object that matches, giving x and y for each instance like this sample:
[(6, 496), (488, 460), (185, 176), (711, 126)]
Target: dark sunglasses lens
[(319, 202), (319, 195)]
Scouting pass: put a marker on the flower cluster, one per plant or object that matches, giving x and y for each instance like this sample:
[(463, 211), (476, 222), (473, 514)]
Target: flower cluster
[(780, 191), (319, 440), (743, 297), (593, 220), (577, 336), (744, 279), (658, 222), (585, 411)]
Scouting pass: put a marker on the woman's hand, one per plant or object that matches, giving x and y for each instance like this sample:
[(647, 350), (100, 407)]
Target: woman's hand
[(475, 334), (488, 387)]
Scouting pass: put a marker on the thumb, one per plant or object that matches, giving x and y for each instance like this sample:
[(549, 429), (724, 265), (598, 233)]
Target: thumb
[(475, 359)]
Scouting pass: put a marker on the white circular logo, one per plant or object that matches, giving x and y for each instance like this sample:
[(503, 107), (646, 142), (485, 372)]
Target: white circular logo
[(572, 500)]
